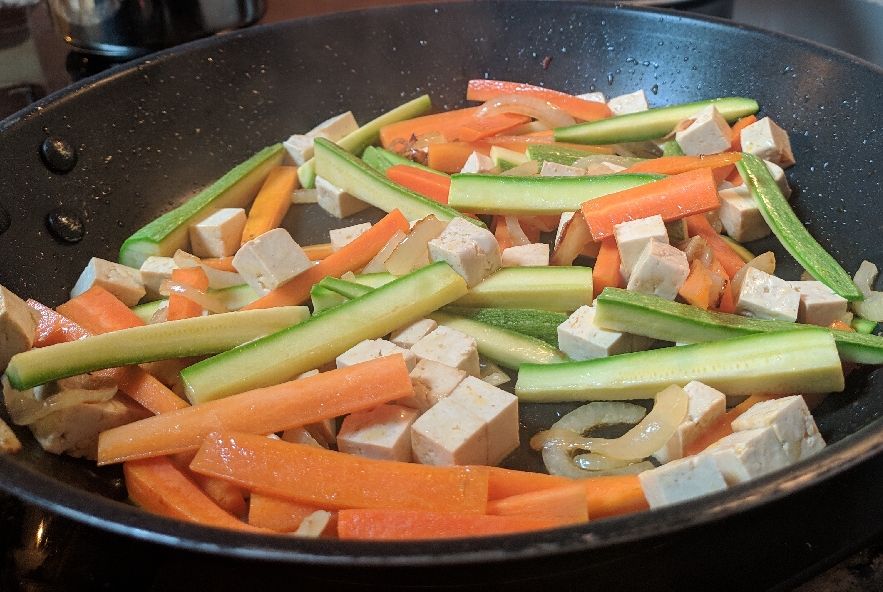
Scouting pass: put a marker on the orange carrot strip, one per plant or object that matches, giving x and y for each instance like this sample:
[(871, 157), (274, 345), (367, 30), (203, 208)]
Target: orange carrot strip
[(838, 324), (352, 257), (673, 165), (157, 485), (721, 173), (98, 311), (219, 263), (330, 479), (503, 483), (565, 504), (734, 177), (485, 90), (53, 327), (449, 157), (613, 495), (736, 143), (433, 185), (261, 411), (501, 233), (696, 289), (482, 127), (607, 270), (398, 524), (727, 303), (723, 426), (318, 252), (145, 389), (674, 197), (272, 202), (181, 307), (447, 123), (698, 225), (225, 494), (277, 514)]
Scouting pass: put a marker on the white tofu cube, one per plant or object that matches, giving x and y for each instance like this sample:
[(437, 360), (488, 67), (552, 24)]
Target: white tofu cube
[(371, 349), (633, 236), (630, 103), (596, 96), (740, 215), (472, 252), (121, 281), (341, 237), (661, 269), (18, 324), (497, 408), (450, 347), (300, 146), (792, 422), (705, 406), (305, 196), (555, 169), (819, 305), (432, 382), (747, 454), (766, 296), (154, 271), (478, 163), (709, 133), (336, 201), (532, 255), (219, 234), (581, 339), (413, 332), (681, 480), (269, 260), (768, 141), (449, 434), (383, 433), (779, 177)]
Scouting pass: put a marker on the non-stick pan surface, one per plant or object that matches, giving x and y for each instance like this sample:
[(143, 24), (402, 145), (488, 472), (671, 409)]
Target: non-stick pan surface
[(150, 135)]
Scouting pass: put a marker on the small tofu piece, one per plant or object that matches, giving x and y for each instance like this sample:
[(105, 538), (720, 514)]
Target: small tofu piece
[(383, 433), (765, 296), (581, 339), (371, 349), (449, 434), (819, 305), (792, 422), (305, 196), (682, 480), (269, 260), (603, 168), (630, 103), (432, 382), (154, 271), (218, 235), (336, 201), (661, 269), (478, 163), (532, 255), (596, 96), (340, 237), (555, 169), (450, 347), (767, 140), (472, 252), (709, 133), (300, 146), (747, 454), (705, 406), (18, 324), (740, 215), (413, 332), (497, 408), (633, 236), (121, 281), (779, 177)]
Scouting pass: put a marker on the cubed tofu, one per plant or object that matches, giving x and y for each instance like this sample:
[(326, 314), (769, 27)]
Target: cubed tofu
[(581, 339), (383, 433), (497, 408), (478, 163), (154, 271), (709, 133), (705, 406), (269, 260), (219, 234), (340, 237), (300, 146), (121, 281), (532, 255), (792, 422), (472, 252), (595, 96), (740, 215), (450, 347), (305, 196), (336, 201), (819, 305), (371, 349), (630, 103), (555, 169), (18, 324), (661, 269), (747, 454), (768, 141), (413, 332), (779, 177), (765, 296), (449, 434), (681, 480), (432, 382), (633, 236)]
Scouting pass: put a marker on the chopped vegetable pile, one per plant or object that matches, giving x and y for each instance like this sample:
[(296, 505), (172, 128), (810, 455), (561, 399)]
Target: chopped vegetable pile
[(590, 249)]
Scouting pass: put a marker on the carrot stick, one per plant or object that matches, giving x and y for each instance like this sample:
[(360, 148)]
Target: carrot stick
[(449, 157), (447, 123), (334, 480), (734, 177), (736, 143), (504, 483), (722, 173), (318, 252), (565, 504), (157, 485), (723, 426), (608, 268), (674, 197), (673, 165), (98, 311), (181, 307), (698, 225), (352, 257), (272, 202), (435, 186), (482, 127), (613, 495), (53, 327), (485, 90), (398, 524), (261, 411), (277, 514), (501, 233), (696, 289), (225, 494), (726, 304), (219, 263)]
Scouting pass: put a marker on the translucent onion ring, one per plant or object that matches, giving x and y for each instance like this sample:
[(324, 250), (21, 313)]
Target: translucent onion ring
[(206, 301), (871, 307), (530, 106), (516, 234)]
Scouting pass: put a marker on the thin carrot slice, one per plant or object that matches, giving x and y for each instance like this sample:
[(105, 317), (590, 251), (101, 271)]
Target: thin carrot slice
[(277, 514), (181, 307), (352, 257), (449, 157), (614, 495), (501, 233), (727, 303), (736, 142), (157, 485), (98, 311), (696, 289), (219, 263), (698, 225), (447, 123), (723, 426), (261, 411), (330, 479), (482, 127), (396, 524), (721, 173), (504, 483), (485, 90), (674, 197), (318, 252), (565, 504), (53, 327), (435, 186), (272, 202), (229, 497), (608, 268), (673, 165)]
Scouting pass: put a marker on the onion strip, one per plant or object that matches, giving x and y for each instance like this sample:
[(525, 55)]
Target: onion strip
[(206, 301), (525, 105)]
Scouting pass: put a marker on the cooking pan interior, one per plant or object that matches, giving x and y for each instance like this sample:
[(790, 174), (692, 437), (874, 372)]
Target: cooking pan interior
[(151, 135)]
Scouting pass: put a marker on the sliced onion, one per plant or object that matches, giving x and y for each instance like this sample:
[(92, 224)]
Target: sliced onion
[(516, 234), (378, 263), (765, 262), (574, 237), (492, 374), (206, 301), (413, 252), (530, 106), (529, 168), (216, 278), (26, 407), (871, 307), (599, 413)]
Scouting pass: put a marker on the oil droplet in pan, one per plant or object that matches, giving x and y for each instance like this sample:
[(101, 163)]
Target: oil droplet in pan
[(65, 225), (58, 154)]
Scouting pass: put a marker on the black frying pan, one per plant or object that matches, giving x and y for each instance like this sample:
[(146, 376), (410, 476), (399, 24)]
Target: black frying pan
[(150, 135)]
